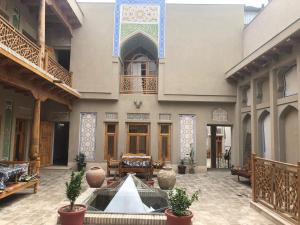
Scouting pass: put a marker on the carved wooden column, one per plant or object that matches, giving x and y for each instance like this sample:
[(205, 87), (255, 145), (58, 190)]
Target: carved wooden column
[(213, 151), (35, 133), (273, 114), (42, 32), (253, 117)]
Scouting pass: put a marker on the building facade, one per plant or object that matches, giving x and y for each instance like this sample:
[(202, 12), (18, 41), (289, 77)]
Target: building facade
[(155, 78)]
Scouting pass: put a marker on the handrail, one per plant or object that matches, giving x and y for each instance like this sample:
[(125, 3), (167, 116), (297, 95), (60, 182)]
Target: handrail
[(58, 71), (276, 185), (138, 84)]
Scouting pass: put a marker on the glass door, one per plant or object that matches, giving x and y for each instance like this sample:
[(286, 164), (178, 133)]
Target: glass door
[(138, 138)]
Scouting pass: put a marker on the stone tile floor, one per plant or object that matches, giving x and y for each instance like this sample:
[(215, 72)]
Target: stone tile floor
[(223, 201)]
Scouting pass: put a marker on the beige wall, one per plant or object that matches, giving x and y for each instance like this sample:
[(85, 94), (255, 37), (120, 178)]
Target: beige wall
[(202, 41), (276, 17), (203, 112)]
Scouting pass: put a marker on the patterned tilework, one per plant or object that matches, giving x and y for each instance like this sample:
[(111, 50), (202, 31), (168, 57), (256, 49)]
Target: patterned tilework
[(149, 29), (141, 12), (87, 134), (187, 134)]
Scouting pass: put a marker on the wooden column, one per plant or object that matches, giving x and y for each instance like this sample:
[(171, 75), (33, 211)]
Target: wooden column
[(213, 151), (35, 133), (298, 190), (42, 32)]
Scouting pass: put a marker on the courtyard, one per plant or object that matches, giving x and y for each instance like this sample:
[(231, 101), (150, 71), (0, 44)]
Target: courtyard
[(223, 200)]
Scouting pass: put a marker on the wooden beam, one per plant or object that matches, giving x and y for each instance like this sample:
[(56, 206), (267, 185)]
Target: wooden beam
[(60, 14)]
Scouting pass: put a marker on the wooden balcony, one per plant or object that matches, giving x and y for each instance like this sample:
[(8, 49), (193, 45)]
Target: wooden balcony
[(17, 44), (138, 84)]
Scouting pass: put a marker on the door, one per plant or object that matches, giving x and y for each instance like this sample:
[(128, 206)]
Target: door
[(111, 140), (46, 139), (138, 138), (164, 142), (61, 143), (20, 140)]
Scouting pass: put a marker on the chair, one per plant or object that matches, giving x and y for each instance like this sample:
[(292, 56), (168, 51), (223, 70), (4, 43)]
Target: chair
[(112, 165), (244, 171)]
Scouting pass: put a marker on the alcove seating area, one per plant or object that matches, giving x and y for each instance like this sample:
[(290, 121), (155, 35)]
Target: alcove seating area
[(16, 176)]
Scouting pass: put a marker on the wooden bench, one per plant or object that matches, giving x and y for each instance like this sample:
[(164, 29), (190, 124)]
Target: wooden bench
[(136, 163), (244, 171), (16, 186)]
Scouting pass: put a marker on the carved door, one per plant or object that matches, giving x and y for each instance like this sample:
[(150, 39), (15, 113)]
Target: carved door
[(46, 142), (20, 140)]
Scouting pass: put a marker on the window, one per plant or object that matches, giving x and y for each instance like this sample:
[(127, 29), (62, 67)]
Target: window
[(164, 142), (138, 138), (111, 140)]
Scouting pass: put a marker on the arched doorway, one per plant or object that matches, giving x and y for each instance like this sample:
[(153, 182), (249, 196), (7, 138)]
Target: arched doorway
[(246, 139), (139, 71), (289, 135), (264, 135)]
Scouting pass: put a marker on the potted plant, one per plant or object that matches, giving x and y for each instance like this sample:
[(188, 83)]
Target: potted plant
[(80, 159), (192, 160), (178, 213), (73, 214), (181, 167)]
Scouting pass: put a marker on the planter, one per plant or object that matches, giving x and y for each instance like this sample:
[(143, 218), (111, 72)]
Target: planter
[(181, 169), (166, 178), (150, 183), (81, 166), (95, 177), (192, 169), (110, 181), (178, 220), (72, 218)]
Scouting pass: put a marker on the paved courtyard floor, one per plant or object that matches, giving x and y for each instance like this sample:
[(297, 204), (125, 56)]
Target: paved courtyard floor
[(223, 201)]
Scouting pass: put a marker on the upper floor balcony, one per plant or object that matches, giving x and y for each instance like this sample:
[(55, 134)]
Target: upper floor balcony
[(14, 42), (138, 84)]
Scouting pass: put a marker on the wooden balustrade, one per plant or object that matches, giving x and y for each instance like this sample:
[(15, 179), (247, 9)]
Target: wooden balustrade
[(138, 84), (276, 186), (21, 45), (17, 42), (56, 70)]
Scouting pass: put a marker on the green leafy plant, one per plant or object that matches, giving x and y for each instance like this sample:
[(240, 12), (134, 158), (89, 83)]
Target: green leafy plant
[(73, 187), (180, 201)]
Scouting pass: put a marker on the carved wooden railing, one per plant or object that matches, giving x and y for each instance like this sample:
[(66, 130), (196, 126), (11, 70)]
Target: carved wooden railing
[(21, 45), (17, 42), (56, 70), (138, 84), (276, 185)]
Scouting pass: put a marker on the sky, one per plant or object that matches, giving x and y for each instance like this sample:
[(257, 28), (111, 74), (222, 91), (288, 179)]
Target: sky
[(256, 3)]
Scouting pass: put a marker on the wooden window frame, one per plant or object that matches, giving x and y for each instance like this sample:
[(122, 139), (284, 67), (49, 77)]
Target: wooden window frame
[(115, 135), (148, 137), (160, 135)]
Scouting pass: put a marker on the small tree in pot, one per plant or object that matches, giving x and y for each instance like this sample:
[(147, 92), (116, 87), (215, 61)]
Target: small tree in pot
[(178, 213), (73, 214)]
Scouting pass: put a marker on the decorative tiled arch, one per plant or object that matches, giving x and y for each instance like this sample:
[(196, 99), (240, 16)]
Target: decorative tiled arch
[(152, 23)]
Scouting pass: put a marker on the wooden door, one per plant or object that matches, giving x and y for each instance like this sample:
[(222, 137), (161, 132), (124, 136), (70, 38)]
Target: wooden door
[(46, 141), (164, 142), (20, 140), (219, 143)]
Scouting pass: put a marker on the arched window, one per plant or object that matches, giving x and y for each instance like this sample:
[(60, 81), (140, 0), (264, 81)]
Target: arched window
[(140, 65)]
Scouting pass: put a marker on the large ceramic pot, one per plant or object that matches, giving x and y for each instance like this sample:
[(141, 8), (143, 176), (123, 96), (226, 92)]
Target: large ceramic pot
[(166, 178), (72, 218), (95, 177), (178, 220)]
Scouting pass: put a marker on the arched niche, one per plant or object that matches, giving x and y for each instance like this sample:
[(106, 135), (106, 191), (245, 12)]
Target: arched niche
[(264, 135), (246, 129), (139, 53), (289, 135)]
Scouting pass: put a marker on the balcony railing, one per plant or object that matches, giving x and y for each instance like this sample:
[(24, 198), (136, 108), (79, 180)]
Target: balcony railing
[(138, 84), (22, 46), (276, 186)]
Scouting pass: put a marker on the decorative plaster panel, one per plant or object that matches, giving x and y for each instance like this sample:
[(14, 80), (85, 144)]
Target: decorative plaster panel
[(149, 29), (140, 14), (88, 135)]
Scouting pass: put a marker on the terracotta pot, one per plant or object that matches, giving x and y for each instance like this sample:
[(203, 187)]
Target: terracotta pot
[(150, 183), (166, 178), (178, 220), (110, 181), (95, 177), (72, 218)]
